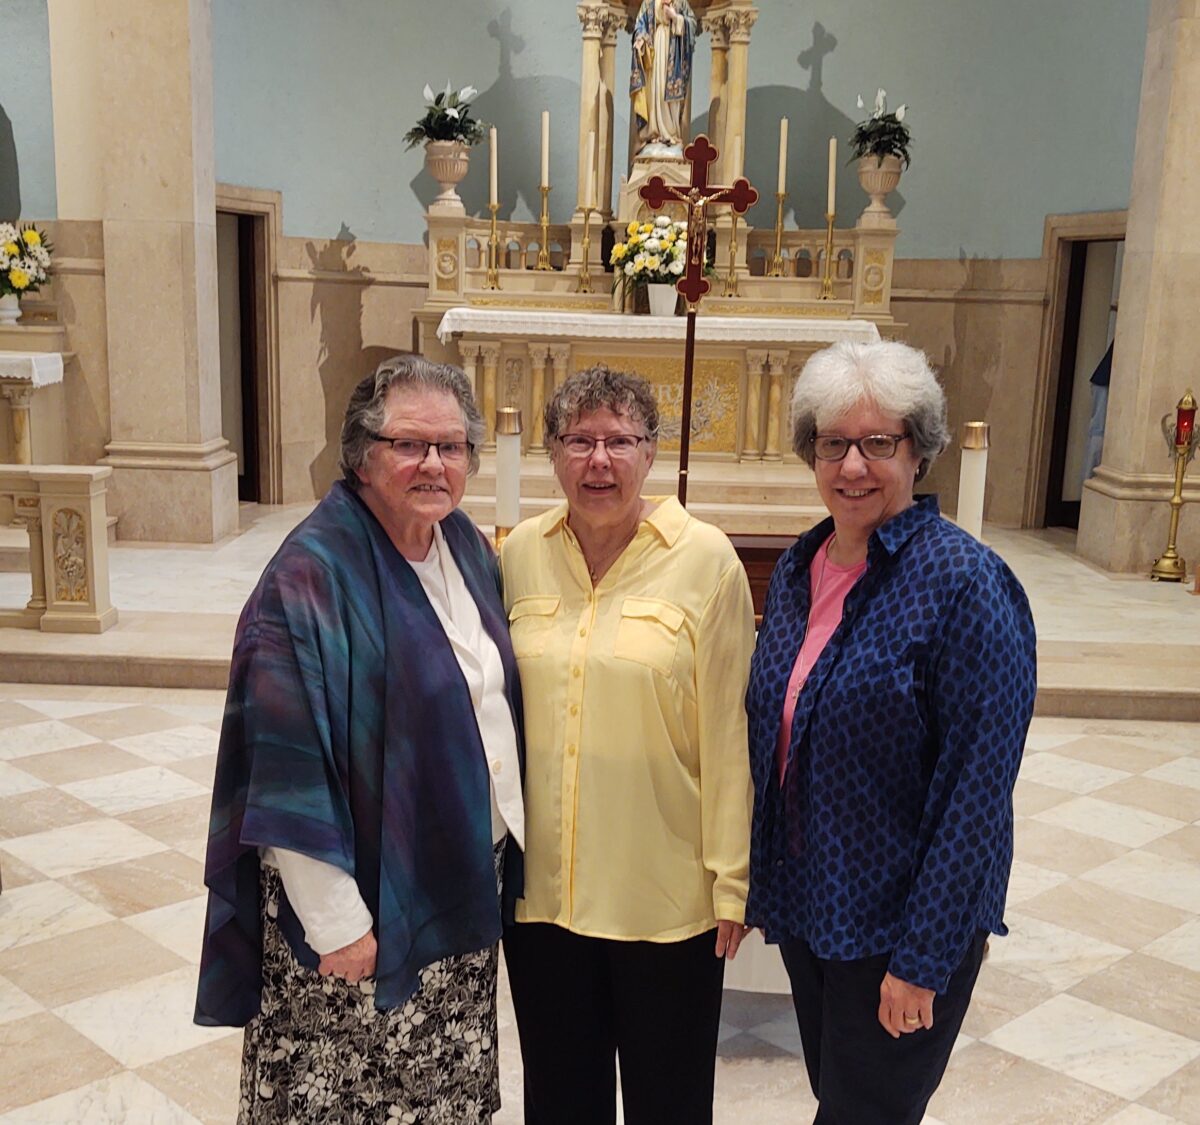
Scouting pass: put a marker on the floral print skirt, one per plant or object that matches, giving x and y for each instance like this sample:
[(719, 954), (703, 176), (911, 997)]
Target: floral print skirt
[(320, 1051)]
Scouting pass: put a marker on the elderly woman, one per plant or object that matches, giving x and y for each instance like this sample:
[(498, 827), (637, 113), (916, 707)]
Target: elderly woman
[(367, 781), (633, 626), (890, 693)]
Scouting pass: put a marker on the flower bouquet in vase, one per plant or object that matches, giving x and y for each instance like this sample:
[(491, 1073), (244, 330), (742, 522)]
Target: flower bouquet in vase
[(24, 265), (880, 145), (652, 257), (448, 131)]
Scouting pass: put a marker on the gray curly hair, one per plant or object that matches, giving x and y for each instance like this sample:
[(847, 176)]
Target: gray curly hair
[(891, 376), (364, 411), (599, 388)]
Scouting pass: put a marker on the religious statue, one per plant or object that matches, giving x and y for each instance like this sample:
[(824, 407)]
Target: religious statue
[(664, 37)]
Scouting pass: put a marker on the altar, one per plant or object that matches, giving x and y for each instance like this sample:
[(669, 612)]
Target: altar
[(745, 367)]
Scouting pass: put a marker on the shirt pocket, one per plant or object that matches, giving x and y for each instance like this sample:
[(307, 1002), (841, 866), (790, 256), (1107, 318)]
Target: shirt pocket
[(648, 633), (530, 621)]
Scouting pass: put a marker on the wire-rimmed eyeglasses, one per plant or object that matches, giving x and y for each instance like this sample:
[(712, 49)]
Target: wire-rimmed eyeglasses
[(617, 446)]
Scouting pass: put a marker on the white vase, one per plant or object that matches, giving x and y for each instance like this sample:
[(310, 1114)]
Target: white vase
[(878, 175), (662, 299), (447, 162), (10, 308)]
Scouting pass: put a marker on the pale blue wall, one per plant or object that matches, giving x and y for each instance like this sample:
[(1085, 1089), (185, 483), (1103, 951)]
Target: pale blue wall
[(1018, 109), (26, 123)]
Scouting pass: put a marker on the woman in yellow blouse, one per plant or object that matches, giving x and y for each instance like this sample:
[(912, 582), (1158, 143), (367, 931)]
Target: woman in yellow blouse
[(633, 627)]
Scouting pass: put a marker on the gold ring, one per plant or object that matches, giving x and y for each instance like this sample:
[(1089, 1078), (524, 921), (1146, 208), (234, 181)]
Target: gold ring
[(912, 1021)]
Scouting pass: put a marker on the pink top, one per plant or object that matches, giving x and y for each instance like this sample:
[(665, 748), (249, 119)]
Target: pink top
[(829, 586)]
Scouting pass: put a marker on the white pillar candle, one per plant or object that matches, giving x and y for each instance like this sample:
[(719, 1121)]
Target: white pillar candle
[(508, 468), (493, 167), (972, 478), (783, 128), (831, 190), (545, 148), (589, 176), (735, 166)]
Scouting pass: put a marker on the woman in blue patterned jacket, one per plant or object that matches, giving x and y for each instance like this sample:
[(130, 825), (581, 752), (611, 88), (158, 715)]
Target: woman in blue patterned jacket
[(368, 786), (890, 693)]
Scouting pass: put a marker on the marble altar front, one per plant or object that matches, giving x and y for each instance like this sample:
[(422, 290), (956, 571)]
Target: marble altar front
[(745, 367), (21, 374)]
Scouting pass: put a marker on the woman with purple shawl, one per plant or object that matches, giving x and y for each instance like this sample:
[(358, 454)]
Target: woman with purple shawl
[(367, 802)]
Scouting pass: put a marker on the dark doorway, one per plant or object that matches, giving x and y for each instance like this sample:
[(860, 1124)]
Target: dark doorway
[(238, 284), (1089, 322)]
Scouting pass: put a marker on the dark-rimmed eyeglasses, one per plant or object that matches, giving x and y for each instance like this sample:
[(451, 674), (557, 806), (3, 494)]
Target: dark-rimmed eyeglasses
[(615, 445), (871, 447), (416, 450)]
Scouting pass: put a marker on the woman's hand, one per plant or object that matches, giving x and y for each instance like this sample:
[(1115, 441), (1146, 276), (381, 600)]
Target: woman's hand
[(903, 1007), (352, 962), (729, 937)]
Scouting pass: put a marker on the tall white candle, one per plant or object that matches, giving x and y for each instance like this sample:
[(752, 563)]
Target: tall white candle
[(589, 176), (783, 130), (545, 148), (972, 478), (735, 166), (831, 190), (493, 167), (508, 479)]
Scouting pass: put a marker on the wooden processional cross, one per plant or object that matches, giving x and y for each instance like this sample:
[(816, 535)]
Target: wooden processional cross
[(693, 284)]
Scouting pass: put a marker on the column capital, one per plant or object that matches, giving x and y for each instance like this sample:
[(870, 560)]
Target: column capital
[(718, 29), (560, 353), (18, 394), (739, 21), (777, 360), (595, 19), (538, 353), (756, 358), (490, 350)]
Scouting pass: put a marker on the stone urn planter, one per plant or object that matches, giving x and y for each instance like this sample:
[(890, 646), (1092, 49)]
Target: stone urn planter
[(10, 308), (663, 299), (878, 176), (447, 162)]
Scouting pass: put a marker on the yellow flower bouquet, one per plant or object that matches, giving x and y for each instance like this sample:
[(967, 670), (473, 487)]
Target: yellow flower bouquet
[(24, 259)]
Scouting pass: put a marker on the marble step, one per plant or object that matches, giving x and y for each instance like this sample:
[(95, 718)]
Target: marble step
[(14, 547)]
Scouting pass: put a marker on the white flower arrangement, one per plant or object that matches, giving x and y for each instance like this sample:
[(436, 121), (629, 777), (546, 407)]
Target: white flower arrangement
[(24, 259), (653, 253)]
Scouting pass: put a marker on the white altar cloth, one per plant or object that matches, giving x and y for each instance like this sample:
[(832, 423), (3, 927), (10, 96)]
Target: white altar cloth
[(616, 326), (38, 369)]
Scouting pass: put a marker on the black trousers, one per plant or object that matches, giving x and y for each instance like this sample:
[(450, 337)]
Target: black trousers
[(859, 1074), (582, 1001)]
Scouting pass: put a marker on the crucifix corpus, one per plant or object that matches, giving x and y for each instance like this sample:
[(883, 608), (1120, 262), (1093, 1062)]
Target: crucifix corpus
[(697, 195)]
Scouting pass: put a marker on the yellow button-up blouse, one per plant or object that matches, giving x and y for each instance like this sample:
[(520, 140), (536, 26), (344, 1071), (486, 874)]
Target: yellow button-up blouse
[(637, 783)]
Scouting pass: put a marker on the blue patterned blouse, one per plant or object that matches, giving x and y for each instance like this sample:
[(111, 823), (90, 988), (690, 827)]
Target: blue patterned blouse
[(893, 829)]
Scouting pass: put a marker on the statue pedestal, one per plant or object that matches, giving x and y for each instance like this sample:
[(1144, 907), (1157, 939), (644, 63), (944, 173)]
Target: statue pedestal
[(673, 169)]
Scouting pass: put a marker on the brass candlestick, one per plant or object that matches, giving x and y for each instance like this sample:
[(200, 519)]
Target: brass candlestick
[(585, 276), (1169, 567), (776, 269), (543, 258), (827, 277), (731, 285), (493, 266)]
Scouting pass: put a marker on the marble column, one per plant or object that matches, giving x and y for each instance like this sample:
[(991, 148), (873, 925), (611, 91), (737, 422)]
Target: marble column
[(469, 352), (560, 357), (608, 84), (595, 19), (19, 400), (752, 446), (738, 21), (537, 397), (491, 362), (1124, 512), (718, 92), (776, 364), (143, 166)]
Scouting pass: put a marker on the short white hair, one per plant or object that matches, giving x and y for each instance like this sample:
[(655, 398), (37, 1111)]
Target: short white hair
[(890, 376)]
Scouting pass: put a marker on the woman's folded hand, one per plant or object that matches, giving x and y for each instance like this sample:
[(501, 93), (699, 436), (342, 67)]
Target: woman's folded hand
[(352, 962)]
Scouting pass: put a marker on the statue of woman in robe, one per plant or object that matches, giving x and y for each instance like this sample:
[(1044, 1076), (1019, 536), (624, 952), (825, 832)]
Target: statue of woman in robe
[(664, 37)]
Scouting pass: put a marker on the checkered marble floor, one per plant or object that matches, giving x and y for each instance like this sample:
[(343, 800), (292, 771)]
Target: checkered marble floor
[(1088, 1012)]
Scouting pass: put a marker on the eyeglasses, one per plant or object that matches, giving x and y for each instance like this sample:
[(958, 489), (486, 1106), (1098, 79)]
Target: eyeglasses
[(414, 450), (872, 447), (617, 446)]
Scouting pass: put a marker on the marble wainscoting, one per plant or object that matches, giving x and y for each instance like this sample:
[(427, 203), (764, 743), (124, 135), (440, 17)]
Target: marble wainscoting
[(1085, 1013)]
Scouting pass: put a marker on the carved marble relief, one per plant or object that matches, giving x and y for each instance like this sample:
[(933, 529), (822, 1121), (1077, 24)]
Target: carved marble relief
[(70, 556)]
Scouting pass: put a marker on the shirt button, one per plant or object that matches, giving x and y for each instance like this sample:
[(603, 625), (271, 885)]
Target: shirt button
[(497, 766), (779, 863), (576, 673), (571, 750), (583, 632), (574, 708)]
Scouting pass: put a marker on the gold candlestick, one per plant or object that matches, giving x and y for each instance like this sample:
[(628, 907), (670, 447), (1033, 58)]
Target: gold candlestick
[(731, 285), (543, 258), (776, 269), (585, 276), (493, 266), (1169, 567), (827, 276)]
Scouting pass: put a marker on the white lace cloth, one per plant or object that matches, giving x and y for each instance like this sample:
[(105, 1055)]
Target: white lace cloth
[(39, 369)]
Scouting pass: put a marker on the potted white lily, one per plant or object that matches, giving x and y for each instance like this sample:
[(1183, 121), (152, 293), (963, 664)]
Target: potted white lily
[(448, 131), (880, 144)]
